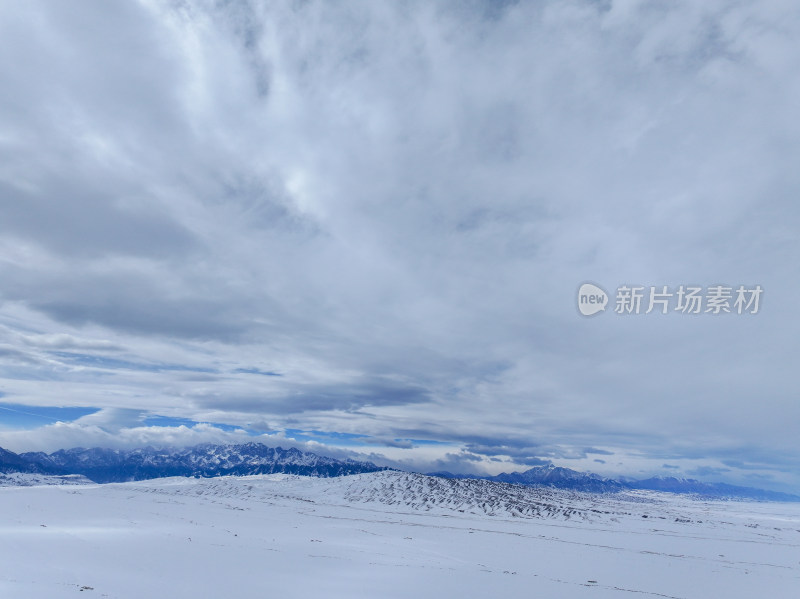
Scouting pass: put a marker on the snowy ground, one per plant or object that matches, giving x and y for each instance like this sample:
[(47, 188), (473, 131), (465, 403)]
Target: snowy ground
[(386, 534)]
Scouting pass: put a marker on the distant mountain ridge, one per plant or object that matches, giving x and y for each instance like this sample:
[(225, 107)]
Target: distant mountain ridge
[(549, 476), (10, 462), (556, 477), (691, 486), (207, 460)]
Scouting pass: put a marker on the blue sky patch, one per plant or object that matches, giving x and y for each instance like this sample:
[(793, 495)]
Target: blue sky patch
[(332, 438), (21, 416)]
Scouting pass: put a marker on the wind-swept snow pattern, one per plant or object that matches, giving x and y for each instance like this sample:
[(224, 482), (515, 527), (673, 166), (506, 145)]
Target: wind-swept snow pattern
[(387, 534), (30, 479)]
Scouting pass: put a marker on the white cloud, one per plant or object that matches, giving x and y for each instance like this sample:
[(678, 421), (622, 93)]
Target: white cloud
[(390, 206)]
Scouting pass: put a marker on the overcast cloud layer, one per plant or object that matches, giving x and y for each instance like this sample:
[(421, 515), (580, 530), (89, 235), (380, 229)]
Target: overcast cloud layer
[(369, 220)]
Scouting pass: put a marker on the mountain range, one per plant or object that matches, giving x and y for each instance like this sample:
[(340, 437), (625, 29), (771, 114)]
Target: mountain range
[(10, 462), (557, 477), (208, 460)]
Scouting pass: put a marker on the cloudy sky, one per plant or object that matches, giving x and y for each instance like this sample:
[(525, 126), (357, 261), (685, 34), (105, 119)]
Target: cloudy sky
[(359, 228)]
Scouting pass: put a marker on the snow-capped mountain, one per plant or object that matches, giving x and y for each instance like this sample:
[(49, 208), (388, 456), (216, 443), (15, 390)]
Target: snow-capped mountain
[(691, 486), (11, 462), (549, 476), (556, 477), (207, 460), (561, 478)]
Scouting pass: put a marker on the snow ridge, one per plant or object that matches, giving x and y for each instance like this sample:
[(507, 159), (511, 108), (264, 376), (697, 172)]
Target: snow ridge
[(398, 492), (471, 496)]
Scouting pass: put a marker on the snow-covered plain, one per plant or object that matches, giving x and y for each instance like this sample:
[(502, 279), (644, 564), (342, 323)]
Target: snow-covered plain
[(387, 534)]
